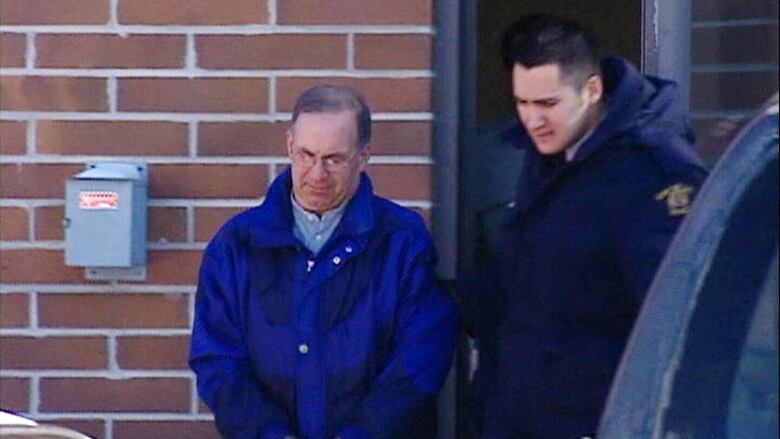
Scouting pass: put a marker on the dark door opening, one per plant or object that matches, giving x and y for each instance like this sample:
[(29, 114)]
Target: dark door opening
[(488, 166)]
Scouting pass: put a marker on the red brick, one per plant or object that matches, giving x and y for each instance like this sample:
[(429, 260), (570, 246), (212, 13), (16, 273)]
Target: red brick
[(153, 352), (401, 138), (54, 11), (733, 9), (208, 181), (113, 310), (106, 395), (110, 51), (735, 45), (221, 95), (272, 51), (173, 267), (267, 138), (382, 94), (208, 220), (242, 138), (202, 408), (112, 138), (94, 428), (402, 182), (30, 180), (15, 394), (48, 223), (13, 137), (40, 93), (165, 429), (355, 12), (53, 353), (12, 49), (167, 224), (393, 51), (15, 226), (189, 12), (37, 266), (14, 310)]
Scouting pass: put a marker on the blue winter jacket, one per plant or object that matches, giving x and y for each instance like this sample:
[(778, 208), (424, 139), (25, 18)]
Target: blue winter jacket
[(582, 244), (355, 341)]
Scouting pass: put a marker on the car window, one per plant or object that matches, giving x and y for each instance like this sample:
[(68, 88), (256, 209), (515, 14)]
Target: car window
[(753, 404), (724, 387)]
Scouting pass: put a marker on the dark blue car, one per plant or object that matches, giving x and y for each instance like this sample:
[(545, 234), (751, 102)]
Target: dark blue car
[(702, 361)]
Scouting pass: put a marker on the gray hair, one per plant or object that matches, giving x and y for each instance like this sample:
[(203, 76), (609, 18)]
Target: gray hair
[(329, 98)]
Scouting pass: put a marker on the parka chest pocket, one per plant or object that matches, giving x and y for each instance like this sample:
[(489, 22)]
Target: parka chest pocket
[(267, 286), (344, 288)]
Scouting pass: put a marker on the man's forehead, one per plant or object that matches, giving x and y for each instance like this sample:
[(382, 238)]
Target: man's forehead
[(341, 116), (539, 82)]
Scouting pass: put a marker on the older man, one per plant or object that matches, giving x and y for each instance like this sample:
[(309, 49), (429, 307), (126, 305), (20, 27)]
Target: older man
[(317, 313)]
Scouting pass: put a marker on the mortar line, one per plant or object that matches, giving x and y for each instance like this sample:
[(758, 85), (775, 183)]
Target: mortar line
[(30, 223), (32, 137), (30, 52), (351, 51)]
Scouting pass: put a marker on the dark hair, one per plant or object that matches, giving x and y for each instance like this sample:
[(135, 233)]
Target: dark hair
[(328, 98), (538, 39)]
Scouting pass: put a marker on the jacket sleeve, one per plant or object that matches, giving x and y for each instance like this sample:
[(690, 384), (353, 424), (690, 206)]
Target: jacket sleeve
[(643, 232), (218, 356), (426, 326), (482, 301)]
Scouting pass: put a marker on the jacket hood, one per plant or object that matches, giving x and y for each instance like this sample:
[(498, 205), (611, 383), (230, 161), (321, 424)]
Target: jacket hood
[(639, 109)]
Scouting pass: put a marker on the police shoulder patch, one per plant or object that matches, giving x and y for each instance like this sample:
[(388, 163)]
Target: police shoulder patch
[(677, 198)]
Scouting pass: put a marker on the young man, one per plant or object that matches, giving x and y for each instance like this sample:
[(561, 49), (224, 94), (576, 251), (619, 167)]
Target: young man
[(317, 313), (608, 176)]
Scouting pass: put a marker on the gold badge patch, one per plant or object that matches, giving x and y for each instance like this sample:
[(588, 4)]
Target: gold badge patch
[(677, 197)]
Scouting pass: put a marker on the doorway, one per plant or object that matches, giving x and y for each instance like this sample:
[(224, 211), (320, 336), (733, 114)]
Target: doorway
[(488, 166)]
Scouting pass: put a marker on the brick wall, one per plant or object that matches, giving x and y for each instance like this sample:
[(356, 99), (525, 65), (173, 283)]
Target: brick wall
[(734, 57), (201, 90)]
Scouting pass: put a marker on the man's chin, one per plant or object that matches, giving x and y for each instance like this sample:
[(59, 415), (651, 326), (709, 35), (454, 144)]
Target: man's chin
[(318, 204), (546, 149)]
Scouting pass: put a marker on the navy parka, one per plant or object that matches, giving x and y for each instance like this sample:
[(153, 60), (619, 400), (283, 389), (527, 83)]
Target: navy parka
[(583, 243), (355, 341)]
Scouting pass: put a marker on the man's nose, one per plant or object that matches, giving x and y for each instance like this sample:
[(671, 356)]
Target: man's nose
[(318, 170), (532, 118)]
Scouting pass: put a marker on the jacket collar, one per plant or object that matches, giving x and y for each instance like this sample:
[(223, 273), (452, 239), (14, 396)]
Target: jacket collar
[(274, 220), (625, 91)]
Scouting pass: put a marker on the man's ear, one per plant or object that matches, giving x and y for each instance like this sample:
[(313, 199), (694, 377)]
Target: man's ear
[(363, 155), (289, 137), (594, 89)]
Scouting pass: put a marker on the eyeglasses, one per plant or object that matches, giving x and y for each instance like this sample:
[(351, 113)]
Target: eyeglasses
[(331, 163)]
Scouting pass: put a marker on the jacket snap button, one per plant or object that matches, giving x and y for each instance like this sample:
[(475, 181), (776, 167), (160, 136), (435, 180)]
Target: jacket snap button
[(336, 260), (303, 348), (348, 249)]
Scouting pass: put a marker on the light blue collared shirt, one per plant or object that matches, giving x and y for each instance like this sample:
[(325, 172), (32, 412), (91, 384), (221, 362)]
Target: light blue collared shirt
[(314, 230)]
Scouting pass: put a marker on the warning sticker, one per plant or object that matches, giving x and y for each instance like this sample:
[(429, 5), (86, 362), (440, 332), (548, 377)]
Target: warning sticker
[(98, 200)]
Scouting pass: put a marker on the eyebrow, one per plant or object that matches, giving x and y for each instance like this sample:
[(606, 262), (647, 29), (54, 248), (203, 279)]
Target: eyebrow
[(334, 154), (541, 100)]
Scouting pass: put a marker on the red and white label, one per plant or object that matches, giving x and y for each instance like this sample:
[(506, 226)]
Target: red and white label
[(98, 200)]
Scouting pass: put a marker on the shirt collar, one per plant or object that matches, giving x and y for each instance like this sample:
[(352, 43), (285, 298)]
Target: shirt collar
[(328, 217), (571, 151)]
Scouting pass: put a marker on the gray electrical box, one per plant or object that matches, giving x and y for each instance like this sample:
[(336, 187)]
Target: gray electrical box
[(105, 217)]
